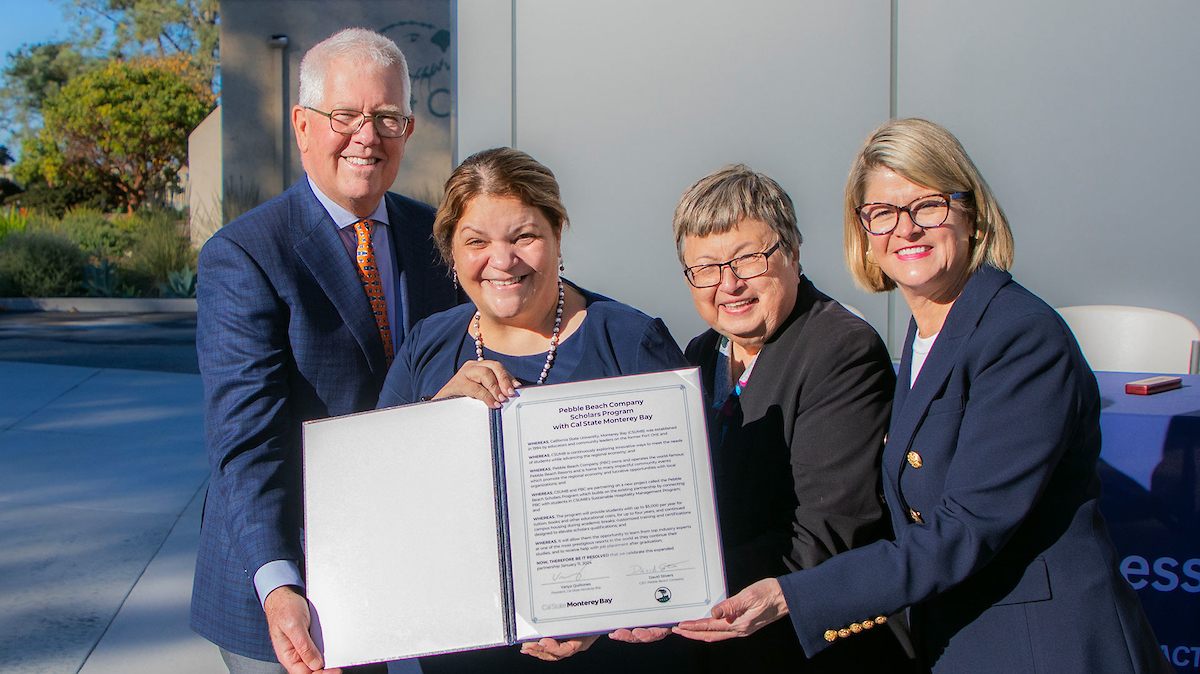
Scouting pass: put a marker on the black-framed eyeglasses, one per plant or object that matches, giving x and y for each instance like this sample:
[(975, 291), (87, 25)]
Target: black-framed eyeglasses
[(926, 212), (744, 267), (348, 122)]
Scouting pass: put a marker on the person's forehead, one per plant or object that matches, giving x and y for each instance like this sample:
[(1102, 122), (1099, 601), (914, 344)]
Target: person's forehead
[(746, 235)]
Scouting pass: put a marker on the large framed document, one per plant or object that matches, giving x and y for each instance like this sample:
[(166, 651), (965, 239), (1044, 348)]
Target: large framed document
[(446, 526)]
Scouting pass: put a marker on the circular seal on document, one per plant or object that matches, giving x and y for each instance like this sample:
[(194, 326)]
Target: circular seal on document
[(663, 595)]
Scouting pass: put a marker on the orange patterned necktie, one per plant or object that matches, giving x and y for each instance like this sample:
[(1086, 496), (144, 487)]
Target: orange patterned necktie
[(368, 273)]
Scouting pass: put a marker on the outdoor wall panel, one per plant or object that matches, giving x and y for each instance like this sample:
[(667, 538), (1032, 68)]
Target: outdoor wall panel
[(1081, 116), (483, 69), (630, 102)]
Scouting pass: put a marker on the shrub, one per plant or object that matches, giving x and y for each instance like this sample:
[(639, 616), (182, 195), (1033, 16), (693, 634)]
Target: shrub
[(39, 220), (96, 234), (101, 280), (56, 201), (11, 220), (161, 246), (40, 264)]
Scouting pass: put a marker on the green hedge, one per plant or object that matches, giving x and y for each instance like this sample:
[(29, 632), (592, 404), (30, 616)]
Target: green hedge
[(40, 264), (86, 252), (97, 234)]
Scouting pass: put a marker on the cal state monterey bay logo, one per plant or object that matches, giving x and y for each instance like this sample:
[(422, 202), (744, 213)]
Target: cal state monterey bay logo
[(663, 595)]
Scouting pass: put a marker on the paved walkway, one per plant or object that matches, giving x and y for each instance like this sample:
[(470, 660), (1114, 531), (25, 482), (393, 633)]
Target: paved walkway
[(164, 342), (102, 476)]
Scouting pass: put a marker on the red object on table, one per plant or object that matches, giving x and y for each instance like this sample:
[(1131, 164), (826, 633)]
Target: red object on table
[(1151, 385)]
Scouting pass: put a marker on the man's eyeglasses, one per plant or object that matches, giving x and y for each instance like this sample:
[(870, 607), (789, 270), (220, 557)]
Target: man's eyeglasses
[(925, 212), (744, 267), (348, 122)]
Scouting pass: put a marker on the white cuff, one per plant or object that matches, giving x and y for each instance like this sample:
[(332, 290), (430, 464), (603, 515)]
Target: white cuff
[(276, 574)]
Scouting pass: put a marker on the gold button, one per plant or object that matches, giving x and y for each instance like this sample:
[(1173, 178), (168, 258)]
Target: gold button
[(916, 517), (855, 627), (879, 620), (914, 459), (843, 633), (830, 635), (868, 624)]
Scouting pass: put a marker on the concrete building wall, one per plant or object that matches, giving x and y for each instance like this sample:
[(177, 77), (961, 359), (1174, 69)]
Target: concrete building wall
[(1082, 117), (204, 179), (259, 80), (1077, 114)]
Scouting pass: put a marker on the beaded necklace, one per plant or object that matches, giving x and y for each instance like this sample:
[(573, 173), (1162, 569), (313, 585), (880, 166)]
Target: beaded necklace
[(553, 337)]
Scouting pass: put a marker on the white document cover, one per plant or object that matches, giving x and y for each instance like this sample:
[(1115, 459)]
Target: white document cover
[(394, 568)]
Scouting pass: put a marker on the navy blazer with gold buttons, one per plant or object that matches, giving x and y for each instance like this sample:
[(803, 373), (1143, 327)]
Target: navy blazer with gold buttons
[(990, 475)]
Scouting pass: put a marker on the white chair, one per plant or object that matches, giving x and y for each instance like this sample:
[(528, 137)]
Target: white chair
[(1134, 339)]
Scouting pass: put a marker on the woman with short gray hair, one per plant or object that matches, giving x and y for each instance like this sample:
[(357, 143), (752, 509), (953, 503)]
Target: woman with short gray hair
[(800, 392)]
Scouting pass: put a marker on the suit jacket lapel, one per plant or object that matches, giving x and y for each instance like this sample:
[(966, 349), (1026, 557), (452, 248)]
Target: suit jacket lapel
[(415, 253), (323, 252), (912, 405), (904, 372), (756, 400)]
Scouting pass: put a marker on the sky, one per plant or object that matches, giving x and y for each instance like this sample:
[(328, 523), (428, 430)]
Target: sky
[(29, 22)]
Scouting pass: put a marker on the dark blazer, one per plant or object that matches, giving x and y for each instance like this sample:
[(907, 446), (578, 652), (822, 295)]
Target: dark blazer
[(990, 473), (797, 478), (284, 334)]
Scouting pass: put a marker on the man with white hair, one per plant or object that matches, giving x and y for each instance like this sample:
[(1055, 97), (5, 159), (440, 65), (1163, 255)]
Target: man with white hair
[(302, 303)]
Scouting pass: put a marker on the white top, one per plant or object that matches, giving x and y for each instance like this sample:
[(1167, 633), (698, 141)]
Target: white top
[(921, 347)]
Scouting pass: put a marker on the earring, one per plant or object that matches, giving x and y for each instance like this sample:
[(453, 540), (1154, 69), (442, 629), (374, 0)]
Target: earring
[(454, 277), (870, 256), (561, 266)]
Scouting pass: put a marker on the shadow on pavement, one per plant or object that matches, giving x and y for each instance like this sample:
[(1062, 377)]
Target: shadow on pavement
[(163, 342)]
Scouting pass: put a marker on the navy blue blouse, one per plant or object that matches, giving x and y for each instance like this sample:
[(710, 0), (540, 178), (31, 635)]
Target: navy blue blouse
[(614, 339)]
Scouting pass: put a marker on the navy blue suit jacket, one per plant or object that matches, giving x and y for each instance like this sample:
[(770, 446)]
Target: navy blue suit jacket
[(285, 334), (990, 475)]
